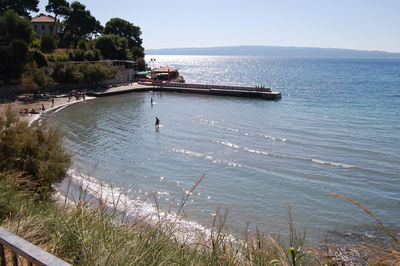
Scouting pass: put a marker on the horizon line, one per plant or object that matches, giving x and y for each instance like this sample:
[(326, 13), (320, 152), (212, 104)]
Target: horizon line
[(280, 46)]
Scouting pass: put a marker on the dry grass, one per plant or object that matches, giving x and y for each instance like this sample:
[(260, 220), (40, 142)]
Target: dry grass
[(100, 234), (379, 255)]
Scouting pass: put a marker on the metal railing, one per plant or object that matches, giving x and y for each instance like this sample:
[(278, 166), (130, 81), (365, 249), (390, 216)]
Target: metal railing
[(20, 248), (206, 86)]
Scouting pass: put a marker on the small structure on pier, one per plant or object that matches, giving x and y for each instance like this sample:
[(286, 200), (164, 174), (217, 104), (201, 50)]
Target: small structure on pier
[(166, 73)]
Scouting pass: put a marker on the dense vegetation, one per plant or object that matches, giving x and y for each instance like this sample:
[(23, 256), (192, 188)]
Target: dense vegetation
[(26, 57), (34, 155)]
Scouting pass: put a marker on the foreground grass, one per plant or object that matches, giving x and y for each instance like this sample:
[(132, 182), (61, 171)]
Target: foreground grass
[(83, 235)]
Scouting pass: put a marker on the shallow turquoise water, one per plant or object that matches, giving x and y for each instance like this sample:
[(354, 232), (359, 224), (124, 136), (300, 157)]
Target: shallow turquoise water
[(336, 130)]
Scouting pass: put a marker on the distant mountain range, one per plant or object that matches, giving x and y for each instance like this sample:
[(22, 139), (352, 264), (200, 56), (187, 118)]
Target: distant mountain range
[(279, 51)]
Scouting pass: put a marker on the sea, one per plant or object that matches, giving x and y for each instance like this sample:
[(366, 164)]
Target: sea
[(335, 130)]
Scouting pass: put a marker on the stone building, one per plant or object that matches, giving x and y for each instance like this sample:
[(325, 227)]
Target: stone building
[(43, 25)]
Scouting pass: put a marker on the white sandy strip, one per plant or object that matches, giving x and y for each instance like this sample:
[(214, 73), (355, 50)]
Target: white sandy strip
[(34, 117)]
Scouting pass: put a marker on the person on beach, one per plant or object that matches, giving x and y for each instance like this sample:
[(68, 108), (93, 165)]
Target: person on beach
[(151, 101), (52, 102), (43, 109), (83, 97), (69, 97), (157, 125)]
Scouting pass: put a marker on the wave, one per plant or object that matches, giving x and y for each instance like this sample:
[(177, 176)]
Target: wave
[(275, 139), (329, 163), (229, 144), (317, 161), (205, 157), (78, 186), (218, 125)]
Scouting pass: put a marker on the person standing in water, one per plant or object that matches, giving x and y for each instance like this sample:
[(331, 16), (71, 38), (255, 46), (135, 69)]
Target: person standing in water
[(157, 122), (151, 101)]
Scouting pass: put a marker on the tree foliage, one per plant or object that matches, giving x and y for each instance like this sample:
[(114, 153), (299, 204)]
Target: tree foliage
[(38, 57), (58, 7), (13, 27), (124, 29), (113, 47), (21, 7), (97, 72), (68, 73), (35, 78), (80, 24), (48, 43), (36, 152), (137, 52)]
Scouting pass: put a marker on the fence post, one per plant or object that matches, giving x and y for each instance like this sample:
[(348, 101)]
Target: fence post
[(2, 256)]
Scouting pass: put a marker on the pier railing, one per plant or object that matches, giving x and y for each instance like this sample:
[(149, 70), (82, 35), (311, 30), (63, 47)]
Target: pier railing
[(208, 86), (22, 251)]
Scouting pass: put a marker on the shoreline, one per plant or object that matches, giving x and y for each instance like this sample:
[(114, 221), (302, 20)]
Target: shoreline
[(96, 190), (59, 102)]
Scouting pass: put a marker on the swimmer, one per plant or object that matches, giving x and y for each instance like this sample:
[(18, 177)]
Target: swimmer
[(157, 122)]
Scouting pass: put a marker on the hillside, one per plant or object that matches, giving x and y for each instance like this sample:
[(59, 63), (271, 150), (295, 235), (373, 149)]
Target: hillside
[(275, 51)]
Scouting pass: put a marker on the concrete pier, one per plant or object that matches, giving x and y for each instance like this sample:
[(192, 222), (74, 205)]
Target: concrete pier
[(236, 91)]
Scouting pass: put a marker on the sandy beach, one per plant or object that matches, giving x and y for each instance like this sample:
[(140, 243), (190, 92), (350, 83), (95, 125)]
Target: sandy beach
[(19, 106)]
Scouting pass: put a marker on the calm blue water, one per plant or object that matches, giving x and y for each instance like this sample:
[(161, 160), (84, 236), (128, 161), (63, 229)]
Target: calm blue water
[(336, 130)]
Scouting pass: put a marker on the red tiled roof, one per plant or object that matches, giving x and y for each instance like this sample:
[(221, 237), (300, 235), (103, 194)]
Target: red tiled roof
[(43, 19)]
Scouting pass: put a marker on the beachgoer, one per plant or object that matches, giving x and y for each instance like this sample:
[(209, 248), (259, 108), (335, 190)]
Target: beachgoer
[(83, 97), (52, 102), (69, 97), (43, 109), (151, 101), (157, 122)]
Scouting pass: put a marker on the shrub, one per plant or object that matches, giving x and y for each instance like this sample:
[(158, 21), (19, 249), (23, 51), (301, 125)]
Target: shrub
[(97, 72), (28, 83), (73, 74), (83, 45), (34, 75), (48, 43), (37, 56), (77, 55), (36, 152), (92, 55), (58, 55)]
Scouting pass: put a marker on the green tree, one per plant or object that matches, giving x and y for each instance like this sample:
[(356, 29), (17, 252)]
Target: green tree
[(21, 7), (34, 75), (113, 47), (13, 27), (80, 24), (124, 29), (35, 152), (58, 8), (48, 43), (18, 58), (12, 60), (137, 52), (94, 73), (38, 57)]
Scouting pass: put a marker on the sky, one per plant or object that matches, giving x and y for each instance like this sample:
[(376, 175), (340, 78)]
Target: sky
[(350, 24)]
